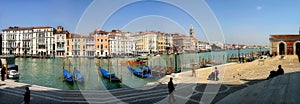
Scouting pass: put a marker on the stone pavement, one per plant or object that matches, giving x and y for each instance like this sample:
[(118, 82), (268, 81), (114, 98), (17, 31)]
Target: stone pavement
[(283, 89)]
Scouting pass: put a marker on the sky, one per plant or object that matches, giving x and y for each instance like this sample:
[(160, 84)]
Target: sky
[(247, 22)]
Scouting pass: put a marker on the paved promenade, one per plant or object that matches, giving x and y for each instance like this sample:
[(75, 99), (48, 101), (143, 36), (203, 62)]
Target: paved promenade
[(234, 79)]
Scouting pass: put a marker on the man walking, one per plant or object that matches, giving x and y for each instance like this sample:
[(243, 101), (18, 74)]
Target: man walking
[(171, 89), (3, 72)]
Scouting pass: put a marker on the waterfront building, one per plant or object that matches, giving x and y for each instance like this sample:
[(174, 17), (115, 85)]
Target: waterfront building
[(43, 41), (119, 43), (82, 46), (164, 43), (28, 40), (60, 37), (69, 46), (101, 43), (202, 46), (132, 45), (90, 46), (183, 43), (77, 45), (146, 42), (161, 43), (285, 44)]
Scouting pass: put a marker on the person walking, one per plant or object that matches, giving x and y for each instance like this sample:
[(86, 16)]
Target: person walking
[(27, 96), (3, 72), (216, 73), (298, 54), (171, 90)]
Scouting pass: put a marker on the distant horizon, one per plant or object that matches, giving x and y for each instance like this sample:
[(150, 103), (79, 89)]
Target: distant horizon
[(237, 22)]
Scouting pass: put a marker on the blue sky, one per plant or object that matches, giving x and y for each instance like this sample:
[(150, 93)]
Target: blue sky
[(242, 21)]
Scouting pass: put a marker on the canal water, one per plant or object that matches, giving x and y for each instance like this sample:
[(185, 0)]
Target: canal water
[(48, 72)]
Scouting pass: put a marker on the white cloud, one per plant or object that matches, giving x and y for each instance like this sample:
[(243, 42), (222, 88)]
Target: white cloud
[(258, 7)]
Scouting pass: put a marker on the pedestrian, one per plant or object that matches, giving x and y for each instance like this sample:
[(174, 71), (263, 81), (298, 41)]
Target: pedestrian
[(217, 72), (3, 72), (27, 96), (193, 70), (298, 54), (171, 90)]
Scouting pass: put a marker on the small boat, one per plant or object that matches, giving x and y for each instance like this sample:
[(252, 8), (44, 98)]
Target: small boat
[(13, 74), (67, 76), (140, 73), (9, 62), (109, 76), (78, 76)]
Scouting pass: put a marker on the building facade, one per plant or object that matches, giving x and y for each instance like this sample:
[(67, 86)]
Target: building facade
[(183, 43), (285, 44), (28, 40), (60, 37), (119, 43), (90, 46), (146, 42), (101, 43)]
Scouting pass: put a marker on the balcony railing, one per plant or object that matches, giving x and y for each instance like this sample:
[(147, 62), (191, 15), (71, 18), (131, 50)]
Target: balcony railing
[(60, 48), (90, 43), (41, 43), (26, 39), (58, 41), (10, 39), (75, 49)]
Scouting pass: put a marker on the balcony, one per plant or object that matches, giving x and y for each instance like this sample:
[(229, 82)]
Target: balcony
[(60, 49), (75, 49), (62, 41), (10, 39), (26, 47), (41, 43), (24, 39), (90, 43)]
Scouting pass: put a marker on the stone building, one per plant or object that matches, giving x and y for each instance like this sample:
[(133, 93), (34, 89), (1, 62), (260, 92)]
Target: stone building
[(28, 40), (285, 44)]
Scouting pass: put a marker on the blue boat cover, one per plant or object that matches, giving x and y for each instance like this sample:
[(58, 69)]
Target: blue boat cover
[(67, 75), (78, 75)]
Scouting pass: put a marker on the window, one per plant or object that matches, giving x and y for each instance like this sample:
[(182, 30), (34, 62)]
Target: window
[(101, 40)]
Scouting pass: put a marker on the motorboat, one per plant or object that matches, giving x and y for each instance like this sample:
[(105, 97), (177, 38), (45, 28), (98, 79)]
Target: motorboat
[(13, 74)]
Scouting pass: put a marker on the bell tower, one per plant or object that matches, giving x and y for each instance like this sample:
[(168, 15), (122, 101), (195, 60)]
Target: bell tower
[(191, 31)]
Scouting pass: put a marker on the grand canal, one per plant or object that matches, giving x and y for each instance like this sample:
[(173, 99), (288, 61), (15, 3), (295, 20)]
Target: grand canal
[(48, 72)]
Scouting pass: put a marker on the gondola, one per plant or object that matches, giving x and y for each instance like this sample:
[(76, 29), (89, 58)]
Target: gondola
[(67, 76), (143, 73), (109, 76), (78, 76)]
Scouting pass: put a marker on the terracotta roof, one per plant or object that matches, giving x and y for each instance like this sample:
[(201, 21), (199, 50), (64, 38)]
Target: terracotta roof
[(25, 28), (63, 32), (285, 36), (100, 31), (74, 35)]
